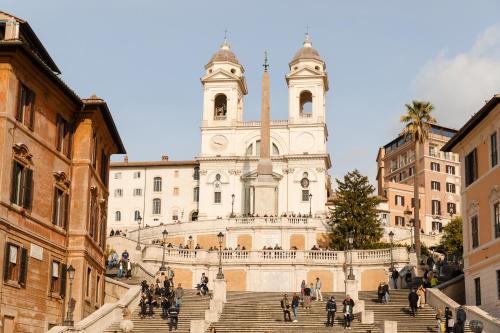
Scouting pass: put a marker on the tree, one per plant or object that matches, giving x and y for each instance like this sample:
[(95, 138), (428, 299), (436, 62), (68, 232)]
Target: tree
[(452, 240), (418, 122), (355, 209)]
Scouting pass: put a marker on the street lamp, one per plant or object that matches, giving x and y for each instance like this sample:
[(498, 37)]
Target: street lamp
[(232, 205), (71, 302), (391, 238), (220, 236), (139, 219), (407, 213), (310, 206), (163, 268), (190, 242), (350, 240)]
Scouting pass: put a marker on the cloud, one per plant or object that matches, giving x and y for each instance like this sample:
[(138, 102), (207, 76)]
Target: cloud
[(459, 85)]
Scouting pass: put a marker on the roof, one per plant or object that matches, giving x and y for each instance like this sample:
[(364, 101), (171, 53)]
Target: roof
[(306, 52), (103, 106), (472, 123), (224, 54), (436, 129), (153, 164)]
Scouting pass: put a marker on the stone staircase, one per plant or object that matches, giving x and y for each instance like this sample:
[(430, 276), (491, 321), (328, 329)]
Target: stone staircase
[(193, 308)]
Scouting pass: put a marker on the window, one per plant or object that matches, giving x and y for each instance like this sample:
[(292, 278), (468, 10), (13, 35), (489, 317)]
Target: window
[(450, 169), (118, 175), (437, 226), (196, 174), (176, 173), (249, 150), (477, 290), (118, 216), (217, 197), (97, 282), (305, 103), (400, 221), (498, 284), (471, 167), (16, 264), (399, 200), (413, 203), (137, 174), (432, 151), (118, 192), (137, 192), (436, 186), (104, 168), (55, 275), (450, 188), (436, 207), (89, 276), (64, 136), (394, 165), (22, 185), (93, 216), (496, 218), (402, 175), (156, 206), (175, 215), (494, 149), (175, 191), (2, 31), (196, 194), (94, 150), (220, 107), (474, 231), (411, 171), (26, 106), (60, 208), (451, 208), (435, 166), (137, 215)]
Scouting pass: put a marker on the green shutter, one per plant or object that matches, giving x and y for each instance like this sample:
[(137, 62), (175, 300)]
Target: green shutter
[(66, 212), (27, 189), (6, 262), (62, 290), (23, 272)]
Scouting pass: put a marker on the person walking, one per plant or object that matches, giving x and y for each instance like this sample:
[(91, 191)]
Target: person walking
[(307, 297), (434, 281), (385, 291), (413, 301), (129, 269), (380, 292), (179, 293), (348, 304), (331, 309), (448, 315), (285, 306), (302, 287), (439, 321), (459, 326), (421, 296), (430, 263), (319, 296), (395, 277), (295, 307), (173, 313), (143, 306), (120, 269), (126, 325)]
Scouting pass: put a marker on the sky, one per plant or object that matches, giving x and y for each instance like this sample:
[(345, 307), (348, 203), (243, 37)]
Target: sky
[(145, 58)]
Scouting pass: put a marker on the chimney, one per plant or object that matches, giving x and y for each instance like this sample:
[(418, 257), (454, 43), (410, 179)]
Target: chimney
[(125, 159), (164, 157)]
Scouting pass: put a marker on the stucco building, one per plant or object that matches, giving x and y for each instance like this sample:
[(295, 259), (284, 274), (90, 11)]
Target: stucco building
[(477, 144), (54, 159)]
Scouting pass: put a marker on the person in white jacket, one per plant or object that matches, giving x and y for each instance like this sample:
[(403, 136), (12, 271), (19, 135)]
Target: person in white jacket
[(317, 290)]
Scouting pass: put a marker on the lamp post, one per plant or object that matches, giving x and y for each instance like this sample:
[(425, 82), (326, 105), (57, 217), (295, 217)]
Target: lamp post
[(71, 303), (407, 213), (310, 204), (350, 240), (220, 275), (139, 219), (163, 268), (391, 238), (232, 205), (190, 242)]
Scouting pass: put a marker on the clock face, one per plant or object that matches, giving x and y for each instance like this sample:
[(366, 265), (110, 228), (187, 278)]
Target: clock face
[(219, 142), (304, 182)]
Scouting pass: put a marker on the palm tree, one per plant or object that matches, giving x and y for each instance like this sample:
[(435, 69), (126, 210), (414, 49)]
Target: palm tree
[(418, 122)]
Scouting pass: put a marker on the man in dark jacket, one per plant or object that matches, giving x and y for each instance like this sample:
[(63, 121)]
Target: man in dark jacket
[(385, 292), (447, 316), (331, 308), (173, 313), (285, 305), (461, 318), (413, 300), (395, 277)]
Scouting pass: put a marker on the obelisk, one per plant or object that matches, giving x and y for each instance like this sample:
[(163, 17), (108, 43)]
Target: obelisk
[(265, 186)]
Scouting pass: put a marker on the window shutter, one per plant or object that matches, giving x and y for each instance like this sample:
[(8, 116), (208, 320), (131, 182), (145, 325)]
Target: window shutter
[(402, 201), (19, 111), (62, 290), (54, 207), (66, 212), (60, 132), (6, 262), (23, 273), (31, 110), (13, 189), (69, 149), (28, 189)]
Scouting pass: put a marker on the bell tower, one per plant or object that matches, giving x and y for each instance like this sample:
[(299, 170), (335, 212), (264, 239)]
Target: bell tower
[(307, 85), (223, 89)]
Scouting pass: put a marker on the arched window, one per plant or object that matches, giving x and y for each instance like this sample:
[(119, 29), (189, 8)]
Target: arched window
[(305, 103), (276, 151), (220, 107), (249, 150), (118, 216), (156, 206), (175, 215), (196, 174), (196, 194), (157, 184), (257, 148), (137, 215)]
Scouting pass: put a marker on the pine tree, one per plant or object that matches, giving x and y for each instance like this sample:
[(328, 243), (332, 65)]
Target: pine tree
[(355, 209)]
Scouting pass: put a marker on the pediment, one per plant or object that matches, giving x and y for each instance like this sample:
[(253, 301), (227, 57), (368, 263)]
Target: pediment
[(253, 175), (220, 74), (305, 71)]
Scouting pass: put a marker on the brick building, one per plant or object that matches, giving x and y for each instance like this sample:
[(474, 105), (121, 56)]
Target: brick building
[(54, 160)]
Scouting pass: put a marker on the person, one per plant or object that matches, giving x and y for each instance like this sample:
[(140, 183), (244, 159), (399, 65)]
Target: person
[(120, 269), (302, 287), (448, 315), (421, 296), (170, 275), (434, 281), (439, 321), (202, 286), (385, 291), (331, 308), (165, 304), (380, 292), (348, 304), (112, 233), (307, 297), (295, 307), (408, 278), (439, 265), (430, 263), (126, 325), (413, 301), (143, 306), (150, 302), (166, 284), (179, 293), (460, 323), (285, 305), (129, 269), (319, 296), (395, 277), (125, 254), (173, 313)]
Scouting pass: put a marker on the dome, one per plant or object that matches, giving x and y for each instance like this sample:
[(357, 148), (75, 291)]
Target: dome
[(224, 54), (306, 52)]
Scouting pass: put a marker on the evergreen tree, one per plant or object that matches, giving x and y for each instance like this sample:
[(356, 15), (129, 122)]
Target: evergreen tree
[(452, 241), (355, 209)]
